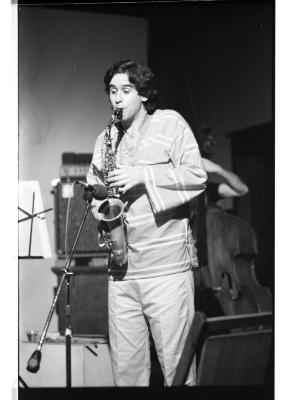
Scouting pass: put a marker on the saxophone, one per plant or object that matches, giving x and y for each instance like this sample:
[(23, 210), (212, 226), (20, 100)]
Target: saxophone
[(111, 210)]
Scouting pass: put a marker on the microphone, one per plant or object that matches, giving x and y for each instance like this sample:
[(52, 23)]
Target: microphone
[(34, 361), (98, 192)]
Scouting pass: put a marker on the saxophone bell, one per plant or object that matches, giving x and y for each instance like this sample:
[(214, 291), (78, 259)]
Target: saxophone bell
[(111, 211)]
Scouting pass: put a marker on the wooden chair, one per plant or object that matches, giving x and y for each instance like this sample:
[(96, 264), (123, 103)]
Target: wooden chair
[(229, 350)]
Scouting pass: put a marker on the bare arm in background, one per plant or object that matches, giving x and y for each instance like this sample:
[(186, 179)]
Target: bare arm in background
[(233, 185)]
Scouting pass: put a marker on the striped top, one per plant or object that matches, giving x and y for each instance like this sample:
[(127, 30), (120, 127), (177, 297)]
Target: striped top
[(159, 237)]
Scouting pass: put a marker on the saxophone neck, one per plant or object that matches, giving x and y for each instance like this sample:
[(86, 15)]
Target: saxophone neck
[(116, 116)]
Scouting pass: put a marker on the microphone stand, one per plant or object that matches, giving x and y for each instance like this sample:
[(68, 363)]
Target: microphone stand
[(34, 361)]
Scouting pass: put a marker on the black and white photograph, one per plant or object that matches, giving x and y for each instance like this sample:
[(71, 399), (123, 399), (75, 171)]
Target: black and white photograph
[(146, 199)]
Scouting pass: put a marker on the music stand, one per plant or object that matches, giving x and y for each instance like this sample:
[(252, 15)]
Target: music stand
[(33, 238)]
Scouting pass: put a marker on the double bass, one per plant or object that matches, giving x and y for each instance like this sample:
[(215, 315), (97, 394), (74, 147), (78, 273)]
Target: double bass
[(226, 281)]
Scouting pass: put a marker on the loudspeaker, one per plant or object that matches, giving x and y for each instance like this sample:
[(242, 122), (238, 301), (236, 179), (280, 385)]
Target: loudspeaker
[(88, 299), (69, 208)]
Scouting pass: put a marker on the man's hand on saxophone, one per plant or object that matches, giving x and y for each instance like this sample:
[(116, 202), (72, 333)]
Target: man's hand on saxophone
[(126, 177)]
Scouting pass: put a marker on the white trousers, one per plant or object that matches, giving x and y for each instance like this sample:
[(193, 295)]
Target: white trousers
[(166, 303)]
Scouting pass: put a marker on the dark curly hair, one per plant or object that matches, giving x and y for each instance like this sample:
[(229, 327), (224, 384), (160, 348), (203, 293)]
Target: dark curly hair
[(140, 76)]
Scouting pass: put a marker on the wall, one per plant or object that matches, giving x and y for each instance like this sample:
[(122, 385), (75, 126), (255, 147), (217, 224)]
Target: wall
[(63, 56)]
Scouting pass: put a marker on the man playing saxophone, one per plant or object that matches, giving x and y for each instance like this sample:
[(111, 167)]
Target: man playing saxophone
[(159, 170)]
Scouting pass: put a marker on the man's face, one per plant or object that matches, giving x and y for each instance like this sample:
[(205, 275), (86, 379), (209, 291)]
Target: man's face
[(125, 96)]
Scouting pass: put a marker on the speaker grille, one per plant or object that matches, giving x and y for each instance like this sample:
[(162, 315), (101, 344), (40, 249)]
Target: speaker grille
[(88, 241), (88, 300)]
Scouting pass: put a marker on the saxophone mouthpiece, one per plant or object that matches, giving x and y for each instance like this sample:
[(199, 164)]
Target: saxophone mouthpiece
[(118, 113)]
